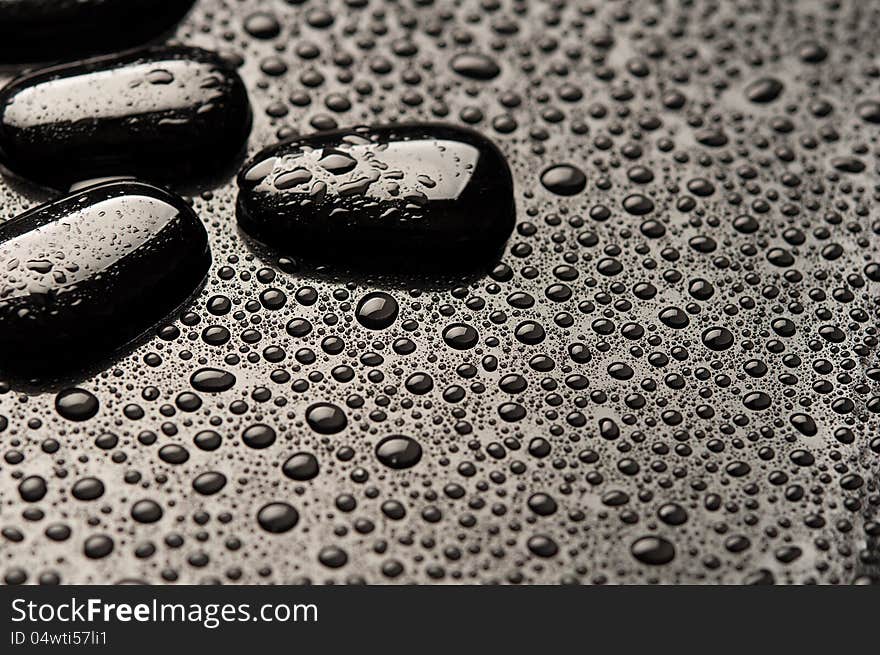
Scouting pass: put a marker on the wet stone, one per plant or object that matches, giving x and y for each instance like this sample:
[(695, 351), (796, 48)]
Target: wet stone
[(35, 30), (416, 194), (82, 275), (175, 115)]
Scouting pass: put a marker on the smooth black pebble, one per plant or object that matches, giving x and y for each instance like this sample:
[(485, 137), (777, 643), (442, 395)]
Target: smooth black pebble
[(84, 274), (175, 115), (414, 194), (40, 30)]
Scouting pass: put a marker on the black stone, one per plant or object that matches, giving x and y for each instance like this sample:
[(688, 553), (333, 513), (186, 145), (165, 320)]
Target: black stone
[(413, 194), (172, 115), (42, 30), (82, 275)]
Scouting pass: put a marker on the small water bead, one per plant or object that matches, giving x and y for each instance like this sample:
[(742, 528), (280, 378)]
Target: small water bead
[(812, 52), (757, 401), (32, 489), (333, 557), (542, 546), (717, 338), (542, 504), (869, 111), (98, 546), (638, 204), (209, 483), (277, 517), (475, 66), (212, 380), (564, 179), (672, 514), (301, 467), (76, 404), (377, 310), (326, 418), (146, 511), (460, 336), (764, 90), (208, 440), (258, 436), (674, 317), (87, 489), (652, 550), (530, 332), (805, 424), (399, 452), (262, 25)]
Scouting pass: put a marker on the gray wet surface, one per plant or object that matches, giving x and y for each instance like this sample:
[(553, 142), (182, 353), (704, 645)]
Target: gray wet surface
[(592, 434)]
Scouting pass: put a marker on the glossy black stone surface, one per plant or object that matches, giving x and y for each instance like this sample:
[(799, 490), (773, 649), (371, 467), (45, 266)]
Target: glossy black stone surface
[(430, 192), (82, 275), (41, 30), (173, 115)]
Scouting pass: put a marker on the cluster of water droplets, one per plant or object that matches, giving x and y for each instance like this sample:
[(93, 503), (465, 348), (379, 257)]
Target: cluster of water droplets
[(668, 375)]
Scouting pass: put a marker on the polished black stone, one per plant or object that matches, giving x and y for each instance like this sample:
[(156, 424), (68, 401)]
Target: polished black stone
[(41, 30), (84, 274), (172, 115), (419, 193)]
